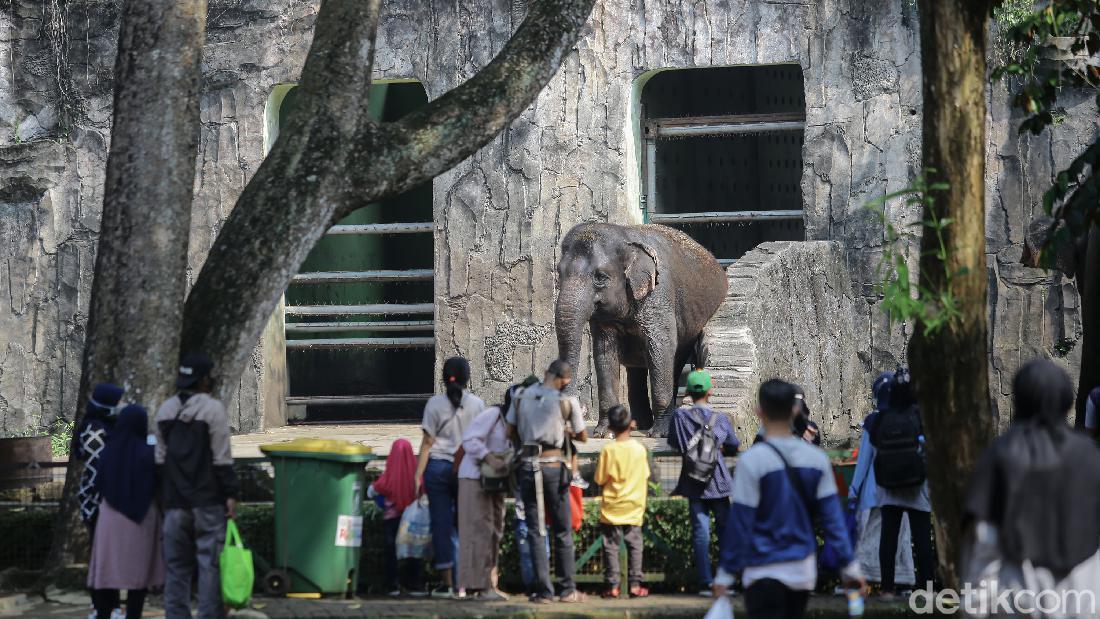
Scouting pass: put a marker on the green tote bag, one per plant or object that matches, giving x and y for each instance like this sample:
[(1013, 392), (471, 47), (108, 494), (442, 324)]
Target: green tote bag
[(236, 568)]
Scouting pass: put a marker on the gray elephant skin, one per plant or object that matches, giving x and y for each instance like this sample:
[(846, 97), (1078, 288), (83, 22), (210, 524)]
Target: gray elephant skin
[(646, 292)]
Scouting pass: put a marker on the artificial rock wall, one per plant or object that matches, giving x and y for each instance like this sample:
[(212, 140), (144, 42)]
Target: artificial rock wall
[(571, 157)]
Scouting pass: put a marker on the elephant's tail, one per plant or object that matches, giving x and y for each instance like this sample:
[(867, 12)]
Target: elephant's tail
[(700, 351)]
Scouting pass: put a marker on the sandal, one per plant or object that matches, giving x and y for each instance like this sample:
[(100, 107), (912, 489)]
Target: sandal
[(613, 592), (638, 591), (572, 597)]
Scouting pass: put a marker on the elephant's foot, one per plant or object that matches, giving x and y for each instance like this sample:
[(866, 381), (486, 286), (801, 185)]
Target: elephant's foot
[(601, 430), (661, 426)]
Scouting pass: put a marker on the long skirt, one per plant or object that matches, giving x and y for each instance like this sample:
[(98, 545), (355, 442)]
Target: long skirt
[(126, 554), (480, 529), (870, 532)]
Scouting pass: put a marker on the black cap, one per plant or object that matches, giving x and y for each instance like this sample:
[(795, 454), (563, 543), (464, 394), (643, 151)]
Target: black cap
[(193, 368)]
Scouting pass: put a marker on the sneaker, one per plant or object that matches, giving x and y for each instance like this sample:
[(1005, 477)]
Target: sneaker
[(579, 481), (443, 592), (396, 593), (118, 613), (572, 597), (418, 594), (492, 595), (538, 599)]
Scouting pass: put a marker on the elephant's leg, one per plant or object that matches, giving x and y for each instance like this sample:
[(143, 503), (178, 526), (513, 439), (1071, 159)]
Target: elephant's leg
[(605, 355), (660, 354), (637, 393)]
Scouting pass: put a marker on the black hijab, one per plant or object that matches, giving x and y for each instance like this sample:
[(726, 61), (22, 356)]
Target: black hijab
[(1039, 483), (126, 469)]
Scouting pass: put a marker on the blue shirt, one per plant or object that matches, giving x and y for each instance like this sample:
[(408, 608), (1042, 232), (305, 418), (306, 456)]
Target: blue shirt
[(771, 525), (685, 422)]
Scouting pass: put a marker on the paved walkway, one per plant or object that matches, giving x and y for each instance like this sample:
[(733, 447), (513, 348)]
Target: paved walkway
[(74, 605), (378, 436)]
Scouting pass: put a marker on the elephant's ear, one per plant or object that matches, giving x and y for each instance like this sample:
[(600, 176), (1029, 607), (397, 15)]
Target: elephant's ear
[(641, 270)]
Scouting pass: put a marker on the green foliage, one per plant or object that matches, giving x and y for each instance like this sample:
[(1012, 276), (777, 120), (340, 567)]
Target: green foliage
[(1061, 43), (61, 436), (931, 307)]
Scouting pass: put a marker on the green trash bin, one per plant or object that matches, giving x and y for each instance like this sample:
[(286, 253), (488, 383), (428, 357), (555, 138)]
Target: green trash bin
[(318, 516)]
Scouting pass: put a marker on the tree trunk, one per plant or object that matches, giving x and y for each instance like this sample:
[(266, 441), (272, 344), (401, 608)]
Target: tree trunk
[(331, 161), (141, 260), (950, 366), (1088, 284)]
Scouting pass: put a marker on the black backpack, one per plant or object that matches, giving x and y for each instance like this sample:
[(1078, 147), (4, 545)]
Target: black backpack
[(899, 453), (702, 452)]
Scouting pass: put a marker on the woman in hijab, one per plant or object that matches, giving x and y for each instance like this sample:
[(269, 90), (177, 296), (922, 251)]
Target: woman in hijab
[(126, 551), (446, 417), (398, 491), (88, 441), (1032, 507), (863, 499)]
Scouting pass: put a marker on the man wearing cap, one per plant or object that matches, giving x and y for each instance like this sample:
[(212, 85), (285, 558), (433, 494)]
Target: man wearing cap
[(712, 497), (199, 488)]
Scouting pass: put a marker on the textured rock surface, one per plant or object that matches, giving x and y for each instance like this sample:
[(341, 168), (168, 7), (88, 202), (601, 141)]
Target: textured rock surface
[(571, 157), (791, 313)]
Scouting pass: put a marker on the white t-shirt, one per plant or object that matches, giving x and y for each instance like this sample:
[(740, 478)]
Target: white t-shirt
[(446, 425)]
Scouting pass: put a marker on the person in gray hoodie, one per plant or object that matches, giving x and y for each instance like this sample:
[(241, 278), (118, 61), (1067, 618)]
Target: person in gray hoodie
[(199, 488)]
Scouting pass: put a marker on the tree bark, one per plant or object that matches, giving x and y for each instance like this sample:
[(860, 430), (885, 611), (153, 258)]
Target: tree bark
[(950, 366), (141, 261), (1088, 284), (330, 162)]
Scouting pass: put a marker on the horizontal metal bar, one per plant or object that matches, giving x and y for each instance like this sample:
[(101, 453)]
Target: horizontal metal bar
[(409, 228), (343, 277), (726, 261), (683, 131), (362, 342), (349, 400), (329, 327), (380, 309), (723, 216)]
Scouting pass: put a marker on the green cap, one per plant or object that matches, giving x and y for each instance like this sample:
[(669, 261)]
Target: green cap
[(698, 383)]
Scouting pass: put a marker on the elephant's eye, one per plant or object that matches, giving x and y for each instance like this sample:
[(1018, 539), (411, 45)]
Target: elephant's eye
[(601, 279)]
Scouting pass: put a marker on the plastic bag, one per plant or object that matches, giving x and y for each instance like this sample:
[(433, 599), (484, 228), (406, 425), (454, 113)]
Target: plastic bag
[(414, 534), (720, 609), (237, 573)]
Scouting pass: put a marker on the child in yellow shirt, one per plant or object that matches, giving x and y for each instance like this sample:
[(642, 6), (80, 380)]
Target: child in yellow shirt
[(622, 473)]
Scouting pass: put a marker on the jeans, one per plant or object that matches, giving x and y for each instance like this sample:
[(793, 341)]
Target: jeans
[(404, 573), (613, 535), (771, 599), (193, 538), (701, 510), (920, 523), (442, 488), (555, 493)]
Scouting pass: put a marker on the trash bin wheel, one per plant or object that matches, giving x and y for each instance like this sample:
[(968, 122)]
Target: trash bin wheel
[(276, 582)]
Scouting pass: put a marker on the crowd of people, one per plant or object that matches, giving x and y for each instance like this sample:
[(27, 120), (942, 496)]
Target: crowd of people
[(156, 501)]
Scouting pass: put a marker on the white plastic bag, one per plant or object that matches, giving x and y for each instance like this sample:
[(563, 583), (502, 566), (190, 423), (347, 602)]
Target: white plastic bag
[(720, 609), (414, 534)]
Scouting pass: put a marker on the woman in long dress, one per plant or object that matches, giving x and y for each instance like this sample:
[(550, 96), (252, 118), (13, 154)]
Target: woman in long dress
[(126, 550)]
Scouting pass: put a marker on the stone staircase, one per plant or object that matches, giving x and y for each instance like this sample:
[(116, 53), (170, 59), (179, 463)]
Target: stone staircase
[(790, 313)]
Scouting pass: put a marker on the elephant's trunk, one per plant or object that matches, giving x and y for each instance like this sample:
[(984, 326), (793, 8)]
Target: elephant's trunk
[(573, 310)]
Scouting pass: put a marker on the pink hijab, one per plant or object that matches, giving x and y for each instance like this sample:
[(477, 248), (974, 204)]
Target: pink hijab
[(396, 482)]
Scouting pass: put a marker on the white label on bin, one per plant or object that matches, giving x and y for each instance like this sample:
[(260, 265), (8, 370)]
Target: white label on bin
[(349, 531)]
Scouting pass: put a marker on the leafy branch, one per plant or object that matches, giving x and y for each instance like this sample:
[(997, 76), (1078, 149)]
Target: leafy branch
[(929, 306)]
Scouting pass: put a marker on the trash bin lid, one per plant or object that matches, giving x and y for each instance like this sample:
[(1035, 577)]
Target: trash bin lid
[(320, 449)]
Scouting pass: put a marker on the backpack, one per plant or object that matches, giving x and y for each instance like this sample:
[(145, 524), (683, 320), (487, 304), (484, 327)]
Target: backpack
[(540, 405), (899, 452), (702, 452)]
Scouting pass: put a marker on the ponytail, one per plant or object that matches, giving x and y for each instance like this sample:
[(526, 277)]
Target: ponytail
[(456, 376)]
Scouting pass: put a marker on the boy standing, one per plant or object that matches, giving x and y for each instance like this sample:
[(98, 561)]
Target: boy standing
[(622, 472), (713, 496), (779, 485), (199, 488)]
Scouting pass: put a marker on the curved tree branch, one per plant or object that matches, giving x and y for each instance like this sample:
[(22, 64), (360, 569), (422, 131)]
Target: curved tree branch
[(332, 160)]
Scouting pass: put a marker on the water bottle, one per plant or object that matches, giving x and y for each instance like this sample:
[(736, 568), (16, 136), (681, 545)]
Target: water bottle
[(855, 603)]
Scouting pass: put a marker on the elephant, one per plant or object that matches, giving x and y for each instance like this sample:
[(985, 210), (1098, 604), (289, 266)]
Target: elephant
[(646, 292)]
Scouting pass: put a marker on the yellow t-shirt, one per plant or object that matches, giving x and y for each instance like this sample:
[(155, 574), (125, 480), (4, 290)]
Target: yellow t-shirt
[(622, 472)]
